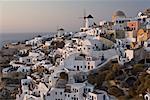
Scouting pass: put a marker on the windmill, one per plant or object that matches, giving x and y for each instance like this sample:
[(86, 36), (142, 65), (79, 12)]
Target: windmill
[(84, 17), (86, 20)]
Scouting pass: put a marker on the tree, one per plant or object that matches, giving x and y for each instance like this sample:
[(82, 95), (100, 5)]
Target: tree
[(138, 68), (144, 80), (92, 79), (132, 92), (140, 89), (123, 98), (110, 76), (115, 67), (63, 75), (114, 90)]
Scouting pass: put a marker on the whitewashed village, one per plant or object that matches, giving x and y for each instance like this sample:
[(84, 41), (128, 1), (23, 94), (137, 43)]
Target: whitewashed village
[(106, 60)]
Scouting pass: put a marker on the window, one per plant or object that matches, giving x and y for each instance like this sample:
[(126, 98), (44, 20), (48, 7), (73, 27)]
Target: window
[(104, 97), (92, 98), (85, 66), (84, 90), (144, 19), (56, 93), (60, 93), (88, 67), (68, 95), (28, 60)]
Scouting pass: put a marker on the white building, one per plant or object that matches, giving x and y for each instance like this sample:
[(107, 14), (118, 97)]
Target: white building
[(23, 51), (32, 58), (148, 23), (88, 20), (129, 54), (60, 32), (45, 63), (120, 20), (27, 60), (9, 70), (55, 94), (25, 85), (97, 95), (37, 41), (81, 62), (48, 43), (120, 23), (125, 55), (89, 45), (43, 91), (24, 69), (73, 91)]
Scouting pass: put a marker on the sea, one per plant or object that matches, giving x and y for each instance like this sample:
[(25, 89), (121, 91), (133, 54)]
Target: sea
[(17, 37)]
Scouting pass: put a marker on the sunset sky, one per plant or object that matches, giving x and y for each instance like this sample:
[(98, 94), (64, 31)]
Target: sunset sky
[(20, 16)]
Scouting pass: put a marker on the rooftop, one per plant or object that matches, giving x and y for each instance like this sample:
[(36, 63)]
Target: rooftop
[(119, 14)]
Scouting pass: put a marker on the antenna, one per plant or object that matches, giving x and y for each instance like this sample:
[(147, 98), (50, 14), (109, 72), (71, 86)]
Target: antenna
[(57, 27), (84, 14), (84, 17)]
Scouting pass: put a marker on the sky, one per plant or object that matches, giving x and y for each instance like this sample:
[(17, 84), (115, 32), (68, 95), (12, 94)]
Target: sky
[(27, 16)]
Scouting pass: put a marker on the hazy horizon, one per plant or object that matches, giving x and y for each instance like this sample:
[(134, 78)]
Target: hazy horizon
[(47, 15)]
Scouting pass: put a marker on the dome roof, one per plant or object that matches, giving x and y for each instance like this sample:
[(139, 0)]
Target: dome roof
[(119, 14), (89, 16)]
